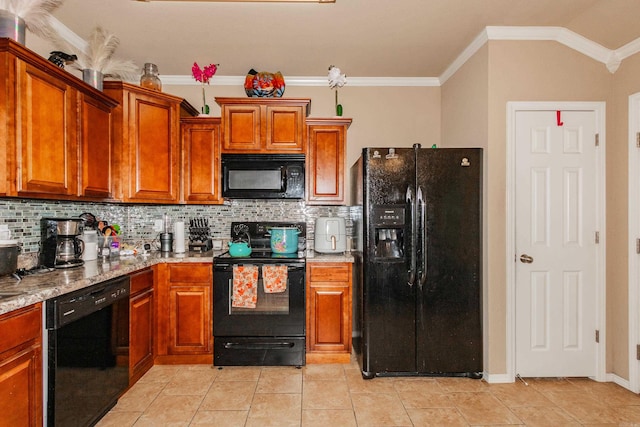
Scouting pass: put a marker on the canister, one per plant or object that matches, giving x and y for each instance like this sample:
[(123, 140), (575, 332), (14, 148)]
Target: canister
[(90, 239)]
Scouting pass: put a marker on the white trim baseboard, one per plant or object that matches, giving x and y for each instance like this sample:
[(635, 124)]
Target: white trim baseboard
[(497, 378), (613, 378)]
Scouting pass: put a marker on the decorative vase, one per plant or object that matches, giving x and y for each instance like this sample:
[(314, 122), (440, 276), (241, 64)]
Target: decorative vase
[(264, 84), (338, 106), (93, 77), (12, 26), (150, 79), (205, 106)]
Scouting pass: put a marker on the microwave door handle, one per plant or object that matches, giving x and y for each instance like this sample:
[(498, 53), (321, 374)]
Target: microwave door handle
[(283, 180)]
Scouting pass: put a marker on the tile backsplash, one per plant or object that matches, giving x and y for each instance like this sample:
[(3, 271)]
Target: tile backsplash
[(136, 221)]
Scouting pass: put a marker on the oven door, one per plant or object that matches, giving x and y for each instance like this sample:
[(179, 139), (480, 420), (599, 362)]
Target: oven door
[(275, 315)]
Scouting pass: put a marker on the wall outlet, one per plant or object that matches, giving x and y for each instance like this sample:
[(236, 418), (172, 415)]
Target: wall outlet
[(158, 225)]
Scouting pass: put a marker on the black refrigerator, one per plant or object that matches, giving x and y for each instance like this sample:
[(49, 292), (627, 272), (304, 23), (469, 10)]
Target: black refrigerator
[(418, 260)]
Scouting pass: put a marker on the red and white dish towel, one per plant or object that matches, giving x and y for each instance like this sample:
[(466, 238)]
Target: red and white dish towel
[(274, 278), (245, 283)]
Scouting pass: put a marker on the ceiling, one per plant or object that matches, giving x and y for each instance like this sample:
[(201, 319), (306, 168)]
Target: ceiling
[(365, 38)]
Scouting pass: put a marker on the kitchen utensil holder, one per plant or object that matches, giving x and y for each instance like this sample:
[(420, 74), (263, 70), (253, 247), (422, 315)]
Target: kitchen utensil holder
[(199, 235)]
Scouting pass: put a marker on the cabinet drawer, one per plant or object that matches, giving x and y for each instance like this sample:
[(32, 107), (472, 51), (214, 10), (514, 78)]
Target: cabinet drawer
[(190, 273), (141, 280), (329, 272), (20, 326)]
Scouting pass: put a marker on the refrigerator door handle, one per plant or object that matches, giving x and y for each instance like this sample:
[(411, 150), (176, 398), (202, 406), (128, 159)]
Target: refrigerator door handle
[(422, 232), (412, 210)]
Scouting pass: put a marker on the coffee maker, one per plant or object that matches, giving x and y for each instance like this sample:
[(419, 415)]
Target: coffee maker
[(61, 246)]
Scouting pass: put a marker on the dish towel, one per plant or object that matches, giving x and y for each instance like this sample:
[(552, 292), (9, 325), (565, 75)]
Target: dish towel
[(274, 278), (245, 283)]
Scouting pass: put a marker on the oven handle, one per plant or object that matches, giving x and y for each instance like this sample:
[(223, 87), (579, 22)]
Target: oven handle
[(258, 346), (229, 266)]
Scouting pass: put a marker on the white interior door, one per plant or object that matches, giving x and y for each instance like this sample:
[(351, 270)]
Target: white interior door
[(555, 243), (634, 248)]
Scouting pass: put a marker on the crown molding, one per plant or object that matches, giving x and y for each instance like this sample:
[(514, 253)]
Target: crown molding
[(69, 36), (610, 58), (628, 49), (186, 80), (466, 54)]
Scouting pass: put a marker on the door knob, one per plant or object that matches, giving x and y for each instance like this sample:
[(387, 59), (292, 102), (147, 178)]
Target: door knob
[(526, 259)]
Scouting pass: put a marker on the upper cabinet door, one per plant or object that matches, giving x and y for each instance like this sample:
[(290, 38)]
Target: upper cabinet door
[(201, 160), (285, 129), (241, 128), (47, 146), (153, 151), (96, 149), (146, 131), (326, 161)]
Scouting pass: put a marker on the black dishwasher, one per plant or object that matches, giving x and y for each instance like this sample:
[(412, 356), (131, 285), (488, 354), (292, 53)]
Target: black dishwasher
[(87, 355)]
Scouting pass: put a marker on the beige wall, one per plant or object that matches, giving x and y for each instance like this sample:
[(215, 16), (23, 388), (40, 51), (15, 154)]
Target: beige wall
[(541, 71), (464, 124)]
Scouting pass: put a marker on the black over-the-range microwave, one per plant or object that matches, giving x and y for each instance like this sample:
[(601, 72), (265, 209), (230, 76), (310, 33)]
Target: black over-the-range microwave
[(263, 176)]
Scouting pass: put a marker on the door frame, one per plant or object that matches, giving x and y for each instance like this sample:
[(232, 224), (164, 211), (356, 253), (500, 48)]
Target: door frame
[(600, 109), (634, 233)]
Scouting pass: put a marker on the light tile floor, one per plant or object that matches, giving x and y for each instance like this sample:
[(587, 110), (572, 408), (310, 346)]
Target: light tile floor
[(336, 395)]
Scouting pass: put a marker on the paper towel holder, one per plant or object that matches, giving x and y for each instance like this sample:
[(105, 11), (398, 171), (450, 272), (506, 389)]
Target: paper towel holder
[(178, 233)]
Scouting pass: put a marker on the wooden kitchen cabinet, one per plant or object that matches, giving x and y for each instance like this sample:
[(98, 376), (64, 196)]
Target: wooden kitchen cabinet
[(329, 310), (326, 161), (201, 160), (47, 117), (21, 367), (185, 313), (141, 321), (146, 133), (264, 125), (96, 149)]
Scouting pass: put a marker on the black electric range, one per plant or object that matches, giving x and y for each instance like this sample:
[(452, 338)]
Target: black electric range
[(270, 331)]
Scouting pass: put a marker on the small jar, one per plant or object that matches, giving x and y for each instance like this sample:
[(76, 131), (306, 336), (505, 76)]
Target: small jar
[(150, 79)]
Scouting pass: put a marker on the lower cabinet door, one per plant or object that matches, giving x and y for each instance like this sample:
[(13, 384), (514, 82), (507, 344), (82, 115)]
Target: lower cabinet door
[(329, 307), (328, 310), (141, 335), (21, 367), (189, 319), (21, 388)]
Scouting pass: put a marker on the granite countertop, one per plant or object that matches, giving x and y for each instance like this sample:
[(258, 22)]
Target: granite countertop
[(39, 287), (313, 256)]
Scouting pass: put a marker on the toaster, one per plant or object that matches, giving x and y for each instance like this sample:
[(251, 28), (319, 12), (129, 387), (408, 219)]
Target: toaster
[(330, 235)]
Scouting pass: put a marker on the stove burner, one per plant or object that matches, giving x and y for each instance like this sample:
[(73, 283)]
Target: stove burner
[(257, 234)]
